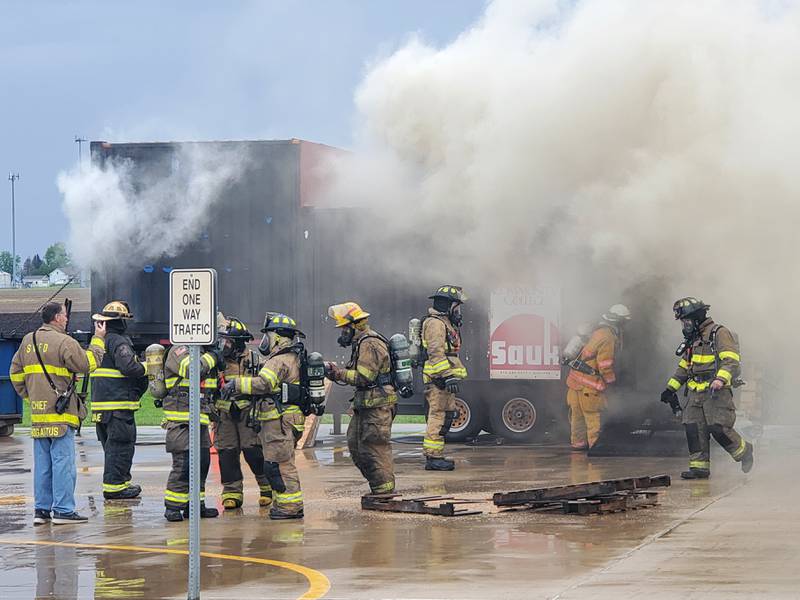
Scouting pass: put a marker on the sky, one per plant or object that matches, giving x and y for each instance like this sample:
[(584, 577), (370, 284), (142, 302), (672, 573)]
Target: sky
[(180, 70)]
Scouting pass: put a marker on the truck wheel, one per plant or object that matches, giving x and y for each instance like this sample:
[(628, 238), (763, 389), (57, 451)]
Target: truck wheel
[(515, 419), (6, 430), (469, 421)]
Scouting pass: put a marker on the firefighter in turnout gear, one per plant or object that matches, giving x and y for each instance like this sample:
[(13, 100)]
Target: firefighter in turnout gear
[(442, 371), (369, 433), (233, 432), (281, 424), (709, 366), (43, 372), (589, 376), (117, 386), (176, 422)]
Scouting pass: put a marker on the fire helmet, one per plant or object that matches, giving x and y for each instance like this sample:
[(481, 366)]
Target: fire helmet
[(453, 293), (116, 309), (688, 308), (234, 329), (617, 314), (346, 313), (281, 324)]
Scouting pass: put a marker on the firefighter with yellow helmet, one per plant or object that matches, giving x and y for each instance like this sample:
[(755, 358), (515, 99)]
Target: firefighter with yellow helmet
[(591, 372), (282, 424), (374, 401), (442, 371), (709, 367), (234, 431), (117, 387)]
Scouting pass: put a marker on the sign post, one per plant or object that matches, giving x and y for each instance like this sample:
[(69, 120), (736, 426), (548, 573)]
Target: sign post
[(192, 322)]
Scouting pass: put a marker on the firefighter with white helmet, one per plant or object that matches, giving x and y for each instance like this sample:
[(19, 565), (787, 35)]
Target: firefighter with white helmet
[(589, 376), (375, 399)]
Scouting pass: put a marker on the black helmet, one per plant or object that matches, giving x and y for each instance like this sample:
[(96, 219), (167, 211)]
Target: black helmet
[(453, 293), (235, 330), (689, 308), (282, 325)]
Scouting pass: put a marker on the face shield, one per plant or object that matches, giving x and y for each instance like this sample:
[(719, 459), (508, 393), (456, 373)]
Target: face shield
[(346, 336), (268, 342), (689, 328)]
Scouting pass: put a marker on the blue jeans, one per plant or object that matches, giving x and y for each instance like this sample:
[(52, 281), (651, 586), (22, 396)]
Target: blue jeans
[(54, 473)]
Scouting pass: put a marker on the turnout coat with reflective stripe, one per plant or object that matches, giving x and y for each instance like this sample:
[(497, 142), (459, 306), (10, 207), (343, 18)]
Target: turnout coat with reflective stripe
[(369, 361), (63, 357), (700, 365), (442, 342), (235, 369), (281, 366), (176, 377), (119, 382), (599, 353)]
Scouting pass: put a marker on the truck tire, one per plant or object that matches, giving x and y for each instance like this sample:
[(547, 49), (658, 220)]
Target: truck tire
[(469, 421), (6, 430), (514, 419)]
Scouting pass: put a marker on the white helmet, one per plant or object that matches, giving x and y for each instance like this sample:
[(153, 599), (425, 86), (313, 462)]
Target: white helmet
[(617, 314)]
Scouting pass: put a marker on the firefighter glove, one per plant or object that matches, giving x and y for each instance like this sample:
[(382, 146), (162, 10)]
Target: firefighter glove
[(228, 389), (669, 396), (332, 370), (451, 385)]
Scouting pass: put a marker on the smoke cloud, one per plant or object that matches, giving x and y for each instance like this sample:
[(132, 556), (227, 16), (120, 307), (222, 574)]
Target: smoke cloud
[(630, 150), (121, 217)]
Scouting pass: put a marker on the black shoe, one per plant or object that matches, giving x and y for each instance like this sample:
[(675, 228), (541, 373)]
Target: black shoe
[(205, 513), (128, 493), (173, 515), (65, 518), (747, 459), (41, 517), (439, 464), (696, 474), (281, 515)]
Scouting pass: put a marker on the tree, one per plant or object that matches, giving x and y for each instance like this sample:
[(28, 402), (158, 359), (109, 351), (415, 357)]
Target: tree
[(36, 265), (27, 267), (56, 257), (5, 262)]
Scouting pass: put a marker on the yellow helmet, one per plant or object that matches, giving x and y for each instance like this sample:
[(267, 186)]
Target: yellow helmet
[(116, 309), (346, 313)]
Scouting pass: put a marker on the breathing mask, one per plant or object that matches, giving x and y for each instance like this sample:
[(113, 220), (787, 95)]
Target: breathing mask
[(346, 337), (455, 315), (268, 341)]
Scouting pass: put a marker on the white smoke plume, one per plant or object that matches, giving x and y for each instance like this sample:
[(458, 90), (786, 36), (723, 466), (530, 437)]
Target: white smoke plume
[(114, 221), (605, 143)]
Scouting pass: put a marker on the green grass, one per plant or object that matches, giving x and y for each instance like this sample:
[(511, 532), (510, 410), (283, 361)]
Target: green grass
[(150, 415)]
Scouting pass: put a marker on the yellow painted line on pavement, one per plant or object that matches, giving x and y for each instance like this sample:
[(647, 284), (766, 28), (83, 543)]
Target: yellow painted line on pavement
[(318, 584)]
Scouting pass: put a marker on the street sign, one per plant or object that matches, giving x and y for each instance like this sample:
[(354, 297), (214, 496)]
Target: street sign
[(193, 306), (193, 322)]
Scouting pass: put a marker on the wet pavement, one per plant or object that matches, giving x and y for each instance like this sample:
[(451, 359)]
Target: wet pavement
[(734, 535)]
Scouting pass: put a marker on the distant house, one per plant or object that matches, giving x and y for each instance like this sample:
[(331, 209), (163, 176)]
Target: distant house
[(5, 279), (62, 276), (35, 281)]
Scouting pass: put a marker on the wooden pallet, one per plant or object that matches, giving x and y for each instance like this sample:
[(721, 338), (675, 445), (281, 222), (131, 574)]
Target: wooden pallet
[(423, 506)]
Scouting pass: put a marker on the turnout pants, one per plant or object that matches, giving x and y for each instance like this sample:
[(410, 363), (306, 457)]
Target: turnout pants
[(707, 416), (176, 495), (278, 438), (117, 434), (441, 412), (369, 436), (585, 410), (232, 438)]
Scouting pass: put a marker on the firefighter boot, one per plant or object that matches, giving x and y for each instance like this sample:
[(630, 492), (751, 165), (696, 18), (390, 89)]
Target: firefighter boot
[(173, 515), (205, 513), (129, 493), (265, 499), (439, 464), (280, 515), (231, 503), (747, 459), (696, 474)]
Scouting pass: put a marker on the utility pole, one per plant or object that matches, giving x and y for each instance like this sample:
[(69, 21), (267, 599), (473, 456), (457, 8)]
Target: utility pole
[(79, 140), (13, 177)]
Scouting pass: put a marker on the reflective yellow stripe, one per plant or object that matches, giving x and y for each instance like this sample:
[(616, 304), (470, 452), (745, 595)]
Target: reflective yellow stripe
[(178, 497), (702, 359), (206, 384), (39, 419), (673, 384), (433, 369), (270, 415), (723, 374), (295, 498), (365, 372), (432, 444), (729, 354), (699, 464), (739, 452), (179, 416), (265, 488), (114, 405), (92, 360), (115, 487), (698, 386), (350, 376), (460, 373), (209, 360), (17, 377), (113, 373), (232, 496), (683, 364), (384, 487), (183, 367), (53, 370), (98, 343), (246, 385), (270, 376)]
